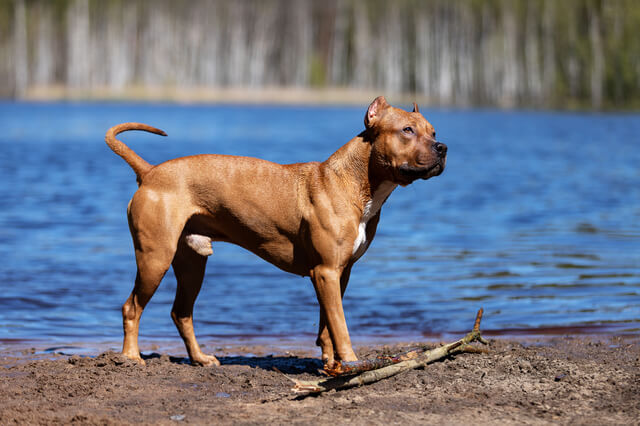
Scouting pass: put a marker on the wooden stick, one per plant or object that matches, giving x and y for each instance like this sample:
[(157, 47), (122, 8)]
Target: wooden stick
[(371, 376), (341, 368)]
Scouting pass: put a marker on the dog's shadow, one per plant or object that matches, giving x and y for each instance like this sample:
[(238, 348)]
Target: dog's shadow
[(284, 364)]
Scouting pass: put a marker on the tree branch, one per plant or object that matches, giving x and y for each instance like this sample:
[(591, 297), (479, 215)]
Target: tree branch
[(364, 372)]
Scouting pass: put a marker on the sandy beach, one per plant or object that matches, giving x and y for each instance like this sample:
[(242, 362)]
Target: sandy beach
[(566, 380), (274, 95)]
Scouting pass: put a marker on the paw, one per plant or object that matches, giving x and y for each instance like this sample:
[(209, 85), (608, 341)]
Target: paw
[(205, 361), (327, 360), (349, 357), (135, 358)]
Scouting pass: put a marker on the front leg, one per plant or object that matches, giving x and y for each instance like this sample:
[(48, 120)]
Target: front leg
[(327, 283), (324, 339)]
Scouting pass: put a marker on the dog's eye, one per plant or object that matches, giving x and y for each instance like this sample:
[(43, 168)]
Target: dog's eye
[(434, 134), (408, 130)]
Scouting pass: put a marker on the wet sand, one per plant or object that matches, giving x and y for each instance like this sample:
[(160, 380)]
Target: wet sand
[(275, 95), (577, 380)]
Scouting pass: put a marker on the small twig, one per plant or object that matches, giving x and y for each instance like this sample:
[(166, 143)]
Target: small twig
[(371, 376)]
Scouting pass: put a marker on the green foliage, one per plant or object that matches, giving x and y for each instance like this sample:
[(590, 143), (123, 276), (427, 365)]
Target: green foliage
[(317, 72)]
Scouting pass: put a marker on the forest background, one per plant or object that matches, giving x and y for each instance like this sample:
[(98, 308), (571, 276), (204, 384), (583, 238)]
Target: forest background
[(505, 53)]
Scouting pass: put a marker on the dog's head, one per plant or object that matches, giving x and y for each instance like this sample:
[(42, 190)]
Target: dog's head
[(404, 145)]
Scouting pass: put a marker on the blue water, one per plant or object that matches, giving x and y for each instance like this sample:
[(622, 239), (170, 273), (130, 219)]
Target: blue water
[(536, 218)]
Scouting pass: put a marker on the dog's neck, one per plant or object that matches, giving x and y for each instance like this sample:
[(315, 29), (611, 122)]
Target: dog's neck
[(352, 164)]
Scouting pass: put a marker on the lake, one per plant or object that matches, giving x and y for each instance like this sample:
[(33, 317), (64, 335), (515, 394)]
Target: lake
[(536, 219)]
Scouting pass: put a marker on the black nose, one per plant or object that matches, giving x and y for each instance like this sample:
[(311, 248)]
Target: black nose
[(440, 148)]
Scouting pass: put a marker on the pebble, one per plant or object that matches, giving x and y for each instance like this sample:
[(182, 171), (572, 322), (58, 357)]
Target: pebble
[(560, 377)]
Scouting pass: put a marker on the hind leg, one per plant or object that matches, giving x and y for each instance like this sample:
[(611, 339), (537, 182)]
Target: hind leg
[(189, 268), (151, 270), (155, 229)]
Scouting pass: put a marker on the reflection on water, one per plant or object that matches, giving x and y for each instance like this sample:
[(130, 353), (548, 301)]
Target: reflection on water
[(537, 219)]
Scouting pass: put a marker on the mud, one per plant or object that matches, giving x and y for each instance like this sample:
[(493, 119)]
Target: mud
[(577, 380)]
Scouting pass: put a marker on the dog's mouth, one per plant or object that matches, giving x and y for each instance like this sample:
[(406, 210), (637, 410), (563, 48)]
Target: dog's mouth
[(413, 173)]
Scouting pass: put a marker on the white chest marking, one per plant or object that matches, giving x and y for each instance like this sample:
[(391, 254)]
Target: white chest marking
[(372, 207)]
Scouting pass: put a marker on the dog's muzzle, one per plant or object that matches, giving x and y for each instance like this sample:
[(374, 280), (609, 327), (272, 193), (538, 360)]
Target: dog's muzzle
[(426, 172)]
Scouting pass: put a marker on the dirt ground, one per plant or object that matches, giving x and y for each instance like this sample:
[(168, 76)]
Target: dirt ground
[(576, 380)]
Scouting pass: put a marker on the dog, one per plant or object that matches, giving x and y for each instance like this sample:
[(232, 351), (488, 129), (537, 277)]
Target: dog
[(312, 219)]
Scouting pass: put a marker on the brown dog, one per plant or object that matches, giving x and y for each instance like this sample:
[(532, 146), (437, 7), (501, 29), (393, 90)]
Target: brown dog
[(311, 219)]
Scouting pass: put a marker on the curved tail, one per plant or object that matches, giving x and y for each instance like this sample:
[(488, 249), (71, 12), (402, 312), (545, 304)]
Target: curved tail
[(139, 166)]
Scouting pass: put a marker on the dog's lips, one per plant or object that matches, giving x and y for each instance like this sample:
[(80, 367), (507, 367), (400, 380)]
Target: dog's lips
[(436, 170), (413, 173)]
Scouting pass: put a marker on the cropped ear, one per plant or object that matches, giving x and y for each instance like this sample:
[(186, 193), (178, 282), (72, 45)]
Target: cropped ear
[(415, 107), (374, 111)]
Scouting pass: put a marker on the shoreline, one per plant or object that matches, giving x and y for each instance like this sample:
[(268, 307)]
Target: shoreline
[(208, 95), (280, 342), (27, 350), (276, 95)]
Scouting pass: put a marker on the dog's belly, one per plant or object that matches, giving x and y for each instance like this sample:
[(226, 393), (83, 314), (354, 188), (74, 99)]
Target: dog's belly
[(267, 242)]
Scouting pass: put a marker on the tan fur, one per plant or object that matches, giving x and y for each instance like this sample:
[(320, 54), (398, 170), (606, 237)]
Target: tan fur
[(304, 218)]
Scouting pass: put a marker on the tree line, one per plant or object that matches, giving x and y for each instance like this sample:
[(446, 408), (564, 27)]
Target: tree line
[(531, 53)]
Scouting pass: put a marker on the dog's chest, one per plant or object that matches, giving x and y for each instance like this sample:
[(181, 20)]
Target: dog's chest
[(371, 208)]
